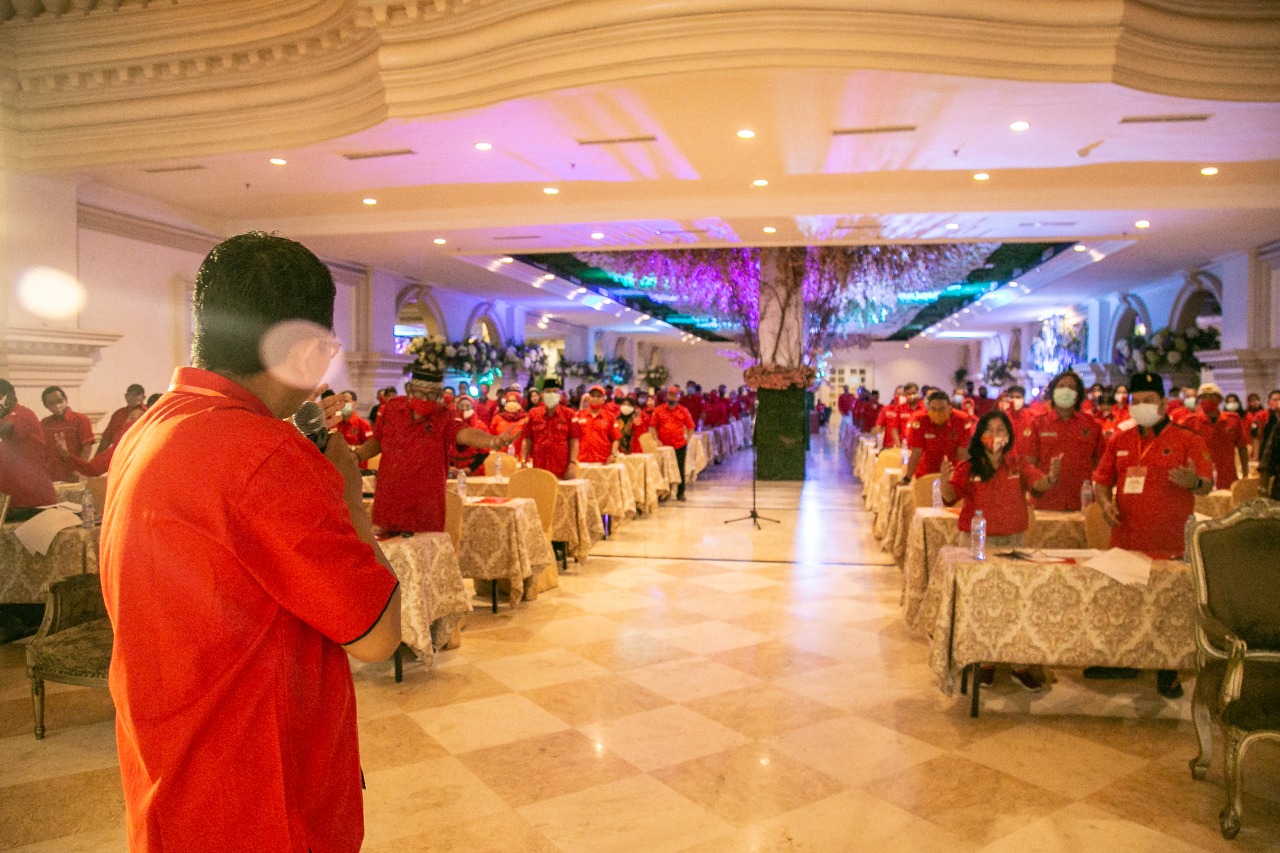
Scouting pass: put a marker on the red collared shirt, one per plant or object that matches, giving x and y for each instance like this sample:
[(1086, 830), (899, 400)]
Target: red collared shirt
[(503, 421), (670, 422), (1002, 499), (117, 425), (1152, 518), (418, 437), (937, 442), (549, 434), (1223, 436), (24, 470), (355, 431), (75, 432), (1021, 420), (232, 576), (598, 430), (1078, 439)]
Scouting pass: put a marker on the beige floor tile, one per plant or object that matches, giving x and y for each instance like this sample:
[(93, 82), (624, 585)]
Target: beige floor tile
[(773, 659), (1080, 827), (56, 806), (393, 741), (613, 601), (762, 712), (501, 832), (748, 784), (662, 737), (853, 686), (936, 719), (483, 723), (65, 749), (540, 669), (852, 749), (691, 678), (110, 840), (539, 768), (444, 685), (709, 637), (592, 700), (580, 630), (635, 814), (1080, 767), (631, 649), (480, 646), (415, 798), (736, 581), (722, 605)]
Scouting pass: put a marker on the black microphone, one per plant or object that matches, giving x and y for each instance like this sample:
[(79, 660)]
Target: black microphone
[(309, 419)]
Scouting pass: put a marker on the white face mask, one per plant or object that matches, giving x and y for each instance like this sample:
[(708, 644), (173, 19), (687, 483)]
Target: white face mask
[(1018, 403), (1189, 402), (347, 410), (1233, 407), (511, 406), (465, 411), (625, 409), (1064, 398), (551, 399), (1146, 414), (959, 399), (902, 399)]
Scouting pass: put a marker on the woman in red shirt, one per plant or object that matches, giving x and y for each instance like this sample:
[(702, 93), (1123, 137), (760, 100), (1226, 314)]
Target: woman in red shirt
[(512, 414)]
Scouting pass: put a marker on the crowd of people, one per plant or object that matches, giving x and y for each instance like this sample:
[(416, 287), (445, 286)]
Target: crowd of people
[(1141, 454)]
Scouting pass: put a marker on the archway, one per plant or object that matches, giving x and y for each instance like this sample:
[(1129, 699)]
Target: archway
[(1199, 304), (481, 325), (417, 315), (1132, 318)]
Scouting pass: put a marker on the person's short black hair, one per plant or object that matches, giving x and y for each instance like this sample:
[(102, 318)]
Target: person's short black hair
[(1107, 399), (910, 386), (390, 389), (6, 387), (328, 392), (354, 398), (937, 394), (151, 401), (875, 393), (135, 388), (1017, 389), (46, 392), (245, 286)]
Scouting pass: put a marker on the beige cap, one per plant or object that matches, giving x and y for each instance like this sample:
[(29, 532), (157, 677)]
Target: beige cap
[(1209, 388)]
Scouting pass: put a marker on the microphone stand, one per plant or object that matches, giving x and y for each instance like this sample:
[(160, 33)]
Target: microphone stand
[(754, 517)]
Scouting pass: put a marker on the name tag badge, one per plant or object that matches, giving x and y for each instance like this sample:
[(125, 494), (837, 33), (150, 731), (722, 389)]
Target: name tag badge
[(1122, 453), (1134, 478)]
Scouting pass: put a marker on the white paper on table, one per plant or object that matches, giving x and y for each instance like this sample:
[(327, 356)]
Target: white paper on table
[(38, 533), (67, 505), (1077, 554), (1128, 567)]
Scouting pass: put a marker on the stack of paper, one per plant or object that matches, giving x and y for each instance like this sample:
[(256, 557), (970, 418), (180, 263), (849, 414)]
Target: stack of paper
[(1128, 567), (38, 533)]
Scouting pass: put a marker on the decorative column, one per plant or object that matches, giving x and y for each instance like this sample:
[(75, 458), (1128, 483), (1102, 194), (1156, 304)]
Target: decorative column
[(1249, 360)]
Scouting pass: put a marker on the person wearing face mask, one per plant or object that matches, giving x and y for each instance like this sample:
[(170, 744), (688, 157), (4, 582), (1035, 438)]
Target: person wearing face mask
[(1224, 433), (599, 430), (467, 458), (66, 433), (937, 434), (354, 429), (886, 424), (486, 408), (1065, 431), (631, 425), (1179, 408), (909, 405), (383, 396), (995, 480), (511, 415), (24, 471), (1090, 404), (1269, 450), (1120, 411), (1257, 417), (551, 434), (135, 397), (1021, 416), (672, 425)]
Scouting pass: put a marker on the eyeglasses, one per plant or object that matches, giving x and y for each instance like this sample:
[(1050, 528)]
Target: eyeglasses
[(332, 344)]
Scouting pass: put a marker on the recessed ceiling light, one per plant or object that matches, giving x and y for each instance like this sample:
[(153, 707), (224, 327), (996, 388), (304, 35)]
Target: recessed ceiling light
[(280, 161), (439, 241), (508, 260), (597, 235), (746, 133), (981, 176), (769, 229), (551, 190), (1013, 284), (906, 346), (1019, 126), (1209, 171), (951, 226), (1142, 223), (484, 146), (1079, 247), (370, 201), (759, 182)]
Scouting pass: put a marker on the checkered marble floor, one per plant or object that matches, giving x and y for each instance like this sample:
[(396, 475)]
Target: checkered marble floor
[(704, 686)]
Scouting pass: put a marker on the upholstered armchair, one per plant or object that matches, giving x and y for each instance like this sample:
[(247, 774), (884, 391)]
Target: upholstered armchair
[(73, 645), (1237, 576)]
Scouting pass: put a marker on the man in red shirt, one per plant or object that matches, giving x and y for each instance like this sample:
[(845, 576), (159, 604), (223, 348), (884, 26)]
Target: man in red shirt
[(982, 403), (485, 407), (354, 429), (845, 402), (24, 471), (551, 434), (908, 406), (672, 425), (1065, 431), (937, 433), (1223, 433), (598, 430), (134, 405), (1021, 417), (239, 570), (871, 408), (64, 430)]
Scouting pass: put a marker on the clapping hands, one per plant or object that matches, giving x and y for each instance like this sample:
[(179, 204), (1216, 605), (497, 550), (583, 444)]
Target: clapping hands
[(1186, 476), (946, 470)]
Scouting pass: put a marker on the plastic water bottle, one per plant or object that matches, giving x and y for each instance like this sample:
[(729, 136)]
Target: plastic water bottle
[(906, 456), (978, 536), (1086, 493), (937, 494), (498, 467), (86, 509), (462, 484)]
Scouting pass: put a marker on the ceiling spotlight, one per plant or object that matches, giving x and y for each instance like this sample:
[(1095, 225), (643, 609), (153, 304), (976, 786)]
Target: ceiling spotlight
[(597, 235), (981, 176), (548, 277), (1142, 223), (1019, 126), (1079, 247), (1209, 171), (280, 161), (906, 346), (952, 226), (508, 260), (745, 133), (759, 182), (439, 241), (1013, 284), (769, 229), (551, 190), (370, 201), (484, 146)]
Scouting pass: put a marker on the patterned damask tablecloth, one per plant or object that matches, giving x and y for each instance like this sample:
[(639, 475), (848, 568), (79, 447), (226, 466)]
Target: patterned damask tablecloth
[(880, 498), (864, 460), (577, 520), (901, 508), (24, 576), (934, 529), (647, 482), (504, 541), (73, 492), (1006, 611), (721, 444), (1216, 504), (696, 457), (670, 468), (433, 598), (613, 490)]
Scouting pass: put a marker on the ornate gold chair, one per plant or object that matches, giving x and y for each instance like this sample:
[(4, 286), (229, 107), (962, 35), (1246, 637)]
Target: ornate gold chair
[(510, 464), (73, 645), (1237, 640), (1243, 491), (922, 489)]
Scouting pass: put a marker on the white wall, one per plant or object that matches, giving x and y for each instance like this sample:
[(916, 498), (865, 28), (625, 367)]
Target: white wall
[(701, 363), (924, 362)]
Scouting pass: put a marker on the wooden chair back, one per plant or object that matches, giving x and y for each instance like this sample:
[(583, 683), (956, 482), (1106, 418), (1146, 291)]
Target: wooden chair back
[(1243, 491), (97, 486), (1097, 533), (1032, 535), (510, 464), (453, 517), (648, 443), (922, 489), (541, 486)]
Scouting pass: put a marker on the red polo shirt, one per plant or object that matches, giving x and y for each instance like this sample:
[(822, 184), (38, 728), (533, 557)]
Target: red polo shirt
[(1002, 499), (670, 423), (76, 433), (1078, 439), (117, 425), (24, 470), (1021, 420), (937, 442), (355, 431), (1153, 512), (549, 434), (418, 437), (232, 575), (1222, 435), (598, 430), (503, 421)]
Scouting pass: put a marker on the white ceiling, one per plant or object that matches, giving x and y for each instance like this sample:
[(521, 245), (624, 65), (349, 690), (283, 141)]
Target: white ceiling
[(1077, 174)]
